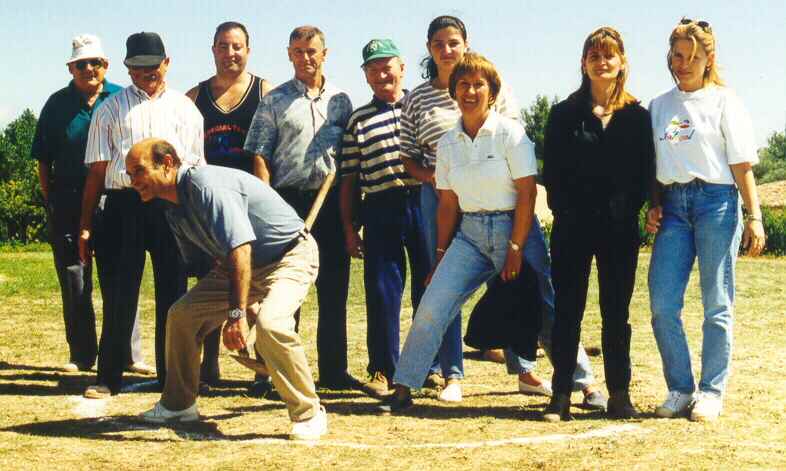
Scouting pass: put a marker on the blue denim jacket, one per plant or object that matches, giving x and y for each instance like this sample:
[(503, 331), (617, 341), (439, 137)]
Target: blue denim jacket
[(299, 136)]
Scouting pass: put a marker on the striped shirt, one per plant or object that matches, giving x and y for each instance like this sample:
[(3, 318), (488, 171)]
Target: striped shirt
[(129, 116), (370, 148), (430, 112)]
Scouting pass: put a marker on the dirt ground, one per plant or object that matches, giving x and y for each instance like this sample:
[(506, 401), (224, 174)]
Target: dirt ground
[(44, 422)]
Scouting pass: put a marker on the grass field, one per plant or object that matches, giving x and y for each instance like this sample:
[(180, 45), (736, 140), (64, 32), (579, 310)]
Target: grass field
[(44, 423)]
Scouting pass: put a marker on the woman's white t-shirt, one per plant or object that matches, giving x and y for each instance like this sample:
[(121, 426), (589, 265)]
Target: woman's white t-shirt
[(699, 134)]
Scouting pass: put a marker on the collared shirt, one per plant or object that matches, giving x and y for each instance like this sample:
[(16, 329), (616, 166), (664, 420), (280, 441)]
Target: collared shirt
[(61, 133), (371, 147), (430, 112), (131, 115), (699, 134), (299, 136), (222, 208), (481, 171)]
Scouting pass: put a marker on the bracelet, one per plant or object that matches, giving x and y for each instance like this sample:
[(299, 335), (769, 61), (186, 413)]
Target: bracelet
[(751, 218)]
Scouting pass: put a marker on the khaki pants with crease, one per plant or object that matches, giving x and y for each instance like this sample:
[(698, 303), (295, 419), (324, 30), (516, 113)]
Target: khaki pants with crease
[(279, 288)]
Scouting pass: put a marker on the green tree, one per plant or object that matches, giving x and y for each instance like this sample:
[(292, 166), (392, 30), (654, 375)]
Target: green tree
[(772, 159), (22, 215), (535, 118)]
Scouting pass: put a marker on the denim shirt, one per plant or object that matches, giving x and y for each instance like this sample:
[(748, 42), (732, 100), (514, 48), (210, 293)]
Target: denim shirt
[(299, 136)]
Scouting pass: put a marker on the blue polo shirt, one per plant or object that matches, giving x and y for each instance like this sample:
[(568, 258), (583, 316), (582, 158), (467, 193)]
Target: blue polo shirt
[(61, 134), (223, 208)]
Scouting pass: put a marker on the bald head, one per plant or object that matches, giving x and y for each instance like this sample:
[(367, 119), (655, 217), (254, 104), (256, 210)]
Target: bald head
[(152, 165)]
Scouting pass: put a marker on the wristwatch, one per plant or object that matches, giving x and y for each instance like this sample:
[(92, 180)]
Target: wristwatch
[(516, 247), (236, 314)]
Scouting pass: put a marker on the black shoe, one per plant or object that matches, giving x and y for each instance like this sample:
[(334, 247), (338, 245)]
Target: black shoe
[(344, 382), (558, 409), (394, 404), (620, 407), (434, 381), (263, 388), (595, 400)]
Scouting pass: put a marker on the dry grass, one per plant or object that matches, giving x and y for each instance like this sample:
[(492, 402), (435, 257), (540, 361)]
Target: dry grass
[(44, 423)]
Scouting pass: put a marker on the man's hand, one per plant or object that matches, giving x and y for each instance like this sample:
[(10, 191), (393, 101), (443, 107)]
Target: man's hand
[(234, 334), (84, 246), (354, 243), (654, 215), (512, 268)]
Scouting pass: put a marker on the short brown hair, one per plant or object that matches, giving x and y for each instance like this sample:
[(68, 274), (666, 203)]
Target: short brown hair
[(306, 32), (229, 25), (471, 63), (608, 40)]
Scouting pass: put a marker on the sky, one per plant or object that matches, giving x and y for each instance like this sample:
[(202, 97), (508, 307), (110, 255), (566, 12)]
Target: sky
[(536, 45)]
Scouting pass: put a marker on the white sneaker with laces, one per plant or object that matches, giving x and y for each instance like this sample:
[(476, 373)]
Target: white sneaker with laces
[(451, 393), (160, 414), (310, 429), (707, 408), (542, 389), (676, 404)]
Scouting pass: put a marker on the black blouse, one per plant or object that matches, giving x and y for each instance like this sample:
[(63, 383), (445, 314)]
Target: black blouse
[(586, 167)]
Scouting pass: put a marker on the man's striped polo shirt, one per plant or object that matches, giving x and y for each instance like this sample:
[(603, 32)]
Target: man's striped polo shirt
[(371, 146)]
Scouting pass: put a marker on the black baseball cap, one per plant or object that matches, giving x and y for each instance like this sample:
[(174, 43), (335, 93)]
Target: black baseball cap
[(144, 50)]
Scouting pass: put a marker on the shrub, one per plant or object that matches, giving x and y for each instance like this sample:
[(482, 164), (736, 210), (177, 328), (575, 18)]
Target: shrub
[(774, 220)]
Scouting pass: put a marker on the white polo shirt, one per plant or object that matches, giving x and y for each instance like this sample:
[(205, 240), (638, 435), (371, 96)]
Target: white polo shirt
[(129, 116), (699, 134), (481, 171)]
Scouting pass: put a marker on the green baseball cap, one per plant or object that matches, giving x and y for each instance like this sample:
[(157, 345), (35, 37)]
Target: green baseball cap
[(379, 48)]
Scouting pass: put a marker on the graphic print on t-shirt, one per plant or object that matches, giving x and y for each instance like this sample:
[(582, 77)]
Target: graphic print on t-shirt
[(678, 131)]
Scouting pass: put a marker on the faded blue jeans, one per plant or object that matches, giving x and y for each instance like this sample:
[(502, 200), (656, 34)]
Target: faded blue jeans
[(476, 254), (700, 221)]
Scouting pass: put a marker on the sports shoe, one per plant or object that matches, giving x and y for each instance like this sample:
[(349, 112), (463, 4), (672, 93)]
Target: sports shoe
[(434, 381), (310, 429), (707, 407), (97, 391), (676, 404), (558, 409), (495, 356), (595, 400), (73, 367), (542, 389), (451, 393), (142, 368), (377, 387), (160, 414), (395, 404)]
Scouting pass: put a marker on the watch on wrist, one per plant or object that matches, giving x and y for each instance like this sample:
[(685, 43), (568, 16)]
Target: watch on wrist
[(236, 314), (514, 246)]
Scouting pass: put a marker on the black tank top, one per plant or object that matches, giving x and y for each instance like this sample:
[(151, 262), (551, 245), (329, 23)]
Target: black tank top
[(225, 132)]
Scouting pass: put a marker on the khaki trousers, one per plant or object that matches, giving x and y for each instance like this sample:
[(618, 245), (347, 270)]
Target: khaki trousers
[(279, 288)]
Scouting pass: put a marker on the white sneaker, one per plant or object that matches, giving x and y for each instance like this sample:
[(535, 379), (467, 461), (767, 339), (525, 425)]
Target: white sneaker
[(310, 429), (451, 393), (542, 389), (707, 408), (160, 414), (676, 404)]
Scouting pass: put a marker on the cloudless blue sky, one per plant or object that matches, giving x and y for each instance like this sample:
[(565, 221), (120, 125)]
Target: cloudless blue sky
[(535, 44)]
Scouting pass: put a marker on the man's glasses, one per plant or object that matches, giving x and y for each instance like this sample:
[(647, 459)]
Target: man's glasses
[(82, 64), (701, 24)]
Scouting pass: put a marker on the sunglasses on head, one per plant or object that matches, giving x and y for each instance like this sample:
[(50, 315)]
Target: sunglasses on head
[(82, 64), (701, 24)]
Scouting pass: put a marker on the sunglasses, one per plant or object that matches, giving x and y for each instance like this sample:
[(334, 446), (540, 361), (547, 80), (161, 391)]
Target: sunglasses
[(701, 24), (82, 64)]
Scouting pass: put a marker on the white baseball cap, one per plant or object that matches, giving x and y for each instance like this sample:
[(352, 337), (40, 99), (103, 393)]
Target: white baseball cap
[(86, 46)]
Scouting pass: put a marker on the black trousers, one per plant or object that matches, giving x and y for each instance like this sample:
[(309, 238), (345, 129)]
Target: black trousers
[(76, 279), (614, 242), (130, 228), (332, 282)]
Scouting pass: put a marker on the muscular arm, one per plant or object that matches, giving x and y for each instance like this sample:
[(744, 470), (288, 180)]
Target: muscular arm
[(94, 186), (261, 169), (193, 94)]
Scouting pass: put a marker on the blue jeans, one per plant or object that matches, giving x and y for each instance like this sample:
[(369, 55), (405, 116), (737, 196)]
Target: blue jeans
[(700, 220), (476, 254), (537, 256), (451, 352), (391, 223)]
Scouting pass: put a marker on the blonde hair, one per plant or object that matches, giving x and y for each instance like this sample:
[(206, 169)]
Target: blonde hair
[(698, 35), (608, 39)]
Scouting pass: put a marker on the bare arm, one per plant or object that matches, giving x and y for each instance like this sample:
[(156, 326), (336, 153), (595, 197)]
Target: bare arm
[(94, 186), (526, 192), (347, 203), (239, 266), (418, 172), (447, 218), (193, 93), (44, 169), (264, 87), (753, 237), (261, 169)]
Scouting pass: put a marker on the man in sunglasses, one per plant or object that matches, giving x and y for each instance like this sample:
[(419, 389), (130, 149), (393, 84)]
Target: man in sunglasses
[(147, 108), (59, 147)]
